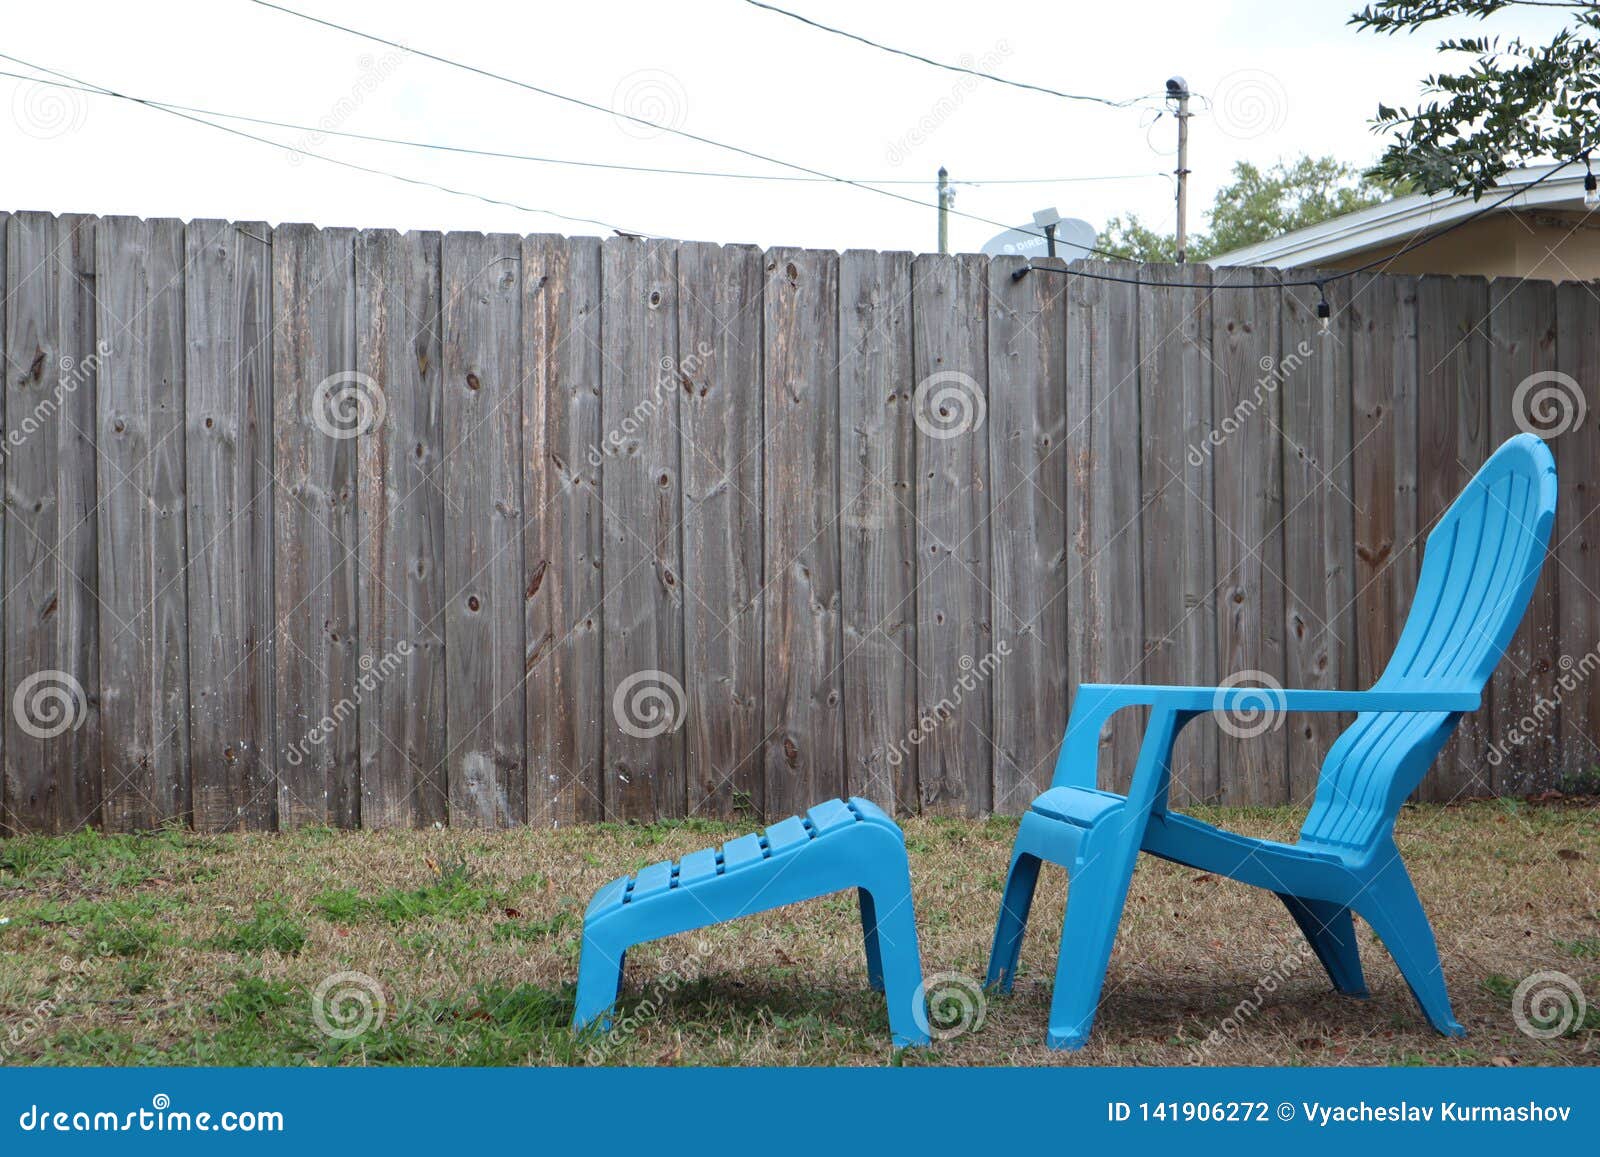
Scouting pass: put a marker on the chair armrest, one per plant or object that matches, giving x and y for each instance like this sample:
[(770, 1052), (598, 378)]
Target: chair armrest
[(1097, 702), (1119, 695)]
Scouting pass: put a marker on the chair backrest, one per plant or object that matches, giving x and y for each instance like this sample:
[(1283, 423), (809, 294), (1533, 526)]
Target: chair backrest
[(1478, 571)]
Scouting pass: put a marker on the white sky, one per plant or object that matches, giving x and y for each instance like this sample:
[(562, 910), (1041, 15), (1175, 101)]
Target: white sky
[(1287, 76)]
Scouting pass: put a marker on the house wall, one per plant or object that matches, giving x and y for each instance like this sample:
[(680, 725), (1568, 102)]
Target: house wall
[(1500, 245)]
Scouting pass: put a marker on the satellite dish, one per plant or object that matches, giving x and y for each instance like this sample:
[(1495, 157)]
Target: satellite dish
[(1074, 240)]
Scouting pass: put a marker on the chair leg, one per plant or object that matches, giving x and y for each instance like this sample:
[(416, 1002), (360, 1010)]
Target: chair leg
[(1012, 923), (1097, 889), (1391, 905), (893, 939), (1332, 935), (869, 934), (599, 984)]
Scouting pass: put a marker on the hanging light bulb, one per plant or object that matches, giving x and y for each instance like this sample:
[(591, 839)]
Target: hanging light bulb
[(1591, 191), (1324, 311)]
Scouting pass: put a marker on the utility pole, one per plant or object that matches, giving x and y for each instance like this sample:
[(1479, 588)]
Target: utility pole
[(1178, 90), (944, 210)]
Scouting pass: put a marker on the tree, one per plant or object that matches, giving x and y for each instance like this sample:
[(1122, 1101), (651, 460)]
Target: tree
[(1256, 205), (1516, 103)]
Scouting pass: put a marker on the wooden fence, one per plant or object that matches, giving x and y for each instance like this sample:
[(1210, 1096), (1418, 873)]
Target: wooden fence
[(352, 527)]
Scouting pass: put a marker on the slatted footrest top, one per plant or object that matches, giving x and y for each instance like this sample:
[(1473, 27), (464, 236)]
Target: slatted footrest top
[(836, 845)]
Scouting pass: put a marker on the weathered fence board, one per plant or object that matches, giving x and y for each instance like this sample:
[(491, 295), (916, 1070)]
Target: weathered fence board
[(1178, 524), (1318, 528), (482, 471), (954, 593), (641, 488), (1522, 343), (144, 675), (52, 681), (315, 421), (1453, 437), (1027, 430), (1249, 412), (562, 532), (363, 528), (1105, 640), (401, 538), (719, 362), (803, 756), (878, 526), (1576, 545), (230, 492)]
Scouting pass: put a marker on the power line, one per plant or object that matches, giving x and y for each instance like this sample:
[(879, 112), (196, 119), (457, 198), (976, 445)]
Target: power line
[(942, 64), (684, 133), (100, 90), (610, 165)]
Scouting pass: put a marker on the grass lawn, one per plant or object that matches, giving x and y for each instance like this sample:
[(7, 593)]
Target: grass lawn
[(179, 949)]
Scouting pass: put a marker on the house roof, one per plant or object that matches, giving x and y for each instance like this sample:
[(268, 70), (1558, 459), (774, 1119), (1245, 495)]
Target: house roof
[(1398, 221)]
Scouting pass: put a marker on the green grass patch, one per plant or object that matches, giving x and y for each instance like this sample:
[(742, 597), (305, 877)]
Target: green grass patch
[(455, 894), (270, 928)]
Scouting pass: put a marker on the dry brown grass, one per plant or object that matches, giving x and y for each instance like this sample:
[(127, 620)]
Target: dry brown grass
[(473, 937)]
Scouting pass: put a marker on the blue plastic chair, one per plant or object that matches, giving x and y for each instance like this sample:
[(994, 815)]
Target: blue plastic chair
[(1478, 572), (836, 845)]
